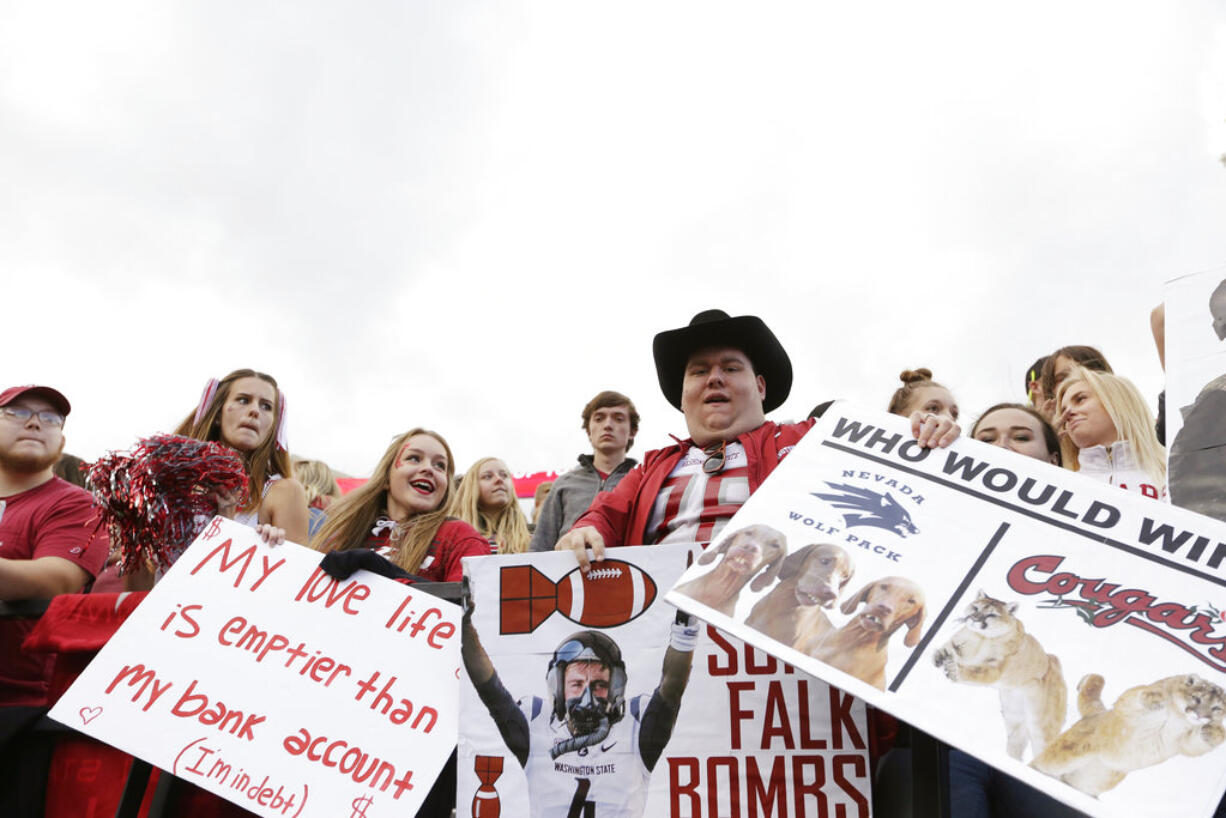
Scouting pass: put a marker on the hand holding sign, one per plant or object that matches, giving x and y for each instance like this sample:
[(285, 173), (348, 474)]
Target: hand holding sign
[(1097, 628)]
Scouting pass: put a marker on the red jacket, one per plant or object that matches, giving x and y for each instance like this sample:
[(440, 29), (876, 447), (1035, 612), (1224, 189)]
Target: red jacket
[(622, 515)]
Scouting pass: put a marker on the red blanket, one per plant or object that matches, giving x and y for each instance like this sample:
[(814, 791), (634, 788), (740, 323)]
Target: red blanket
[(75, 627), (87, 777)]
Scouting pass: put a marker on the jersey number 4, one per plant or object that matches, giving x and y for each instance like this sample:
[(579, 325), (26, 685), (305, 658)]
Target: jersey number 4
[(580, 807)]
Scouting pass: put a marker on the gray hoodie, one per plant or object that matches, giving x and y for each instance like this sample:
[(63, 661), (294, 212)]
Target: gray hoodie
[(570, 496)]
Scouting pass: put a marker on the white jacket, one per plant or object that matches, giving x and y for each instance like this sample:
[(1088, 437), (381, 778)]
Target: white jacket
[(1117, 466)]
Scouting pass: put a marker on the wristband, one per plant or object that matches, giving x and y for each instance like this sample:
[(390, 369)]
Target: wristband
[(683, 636)]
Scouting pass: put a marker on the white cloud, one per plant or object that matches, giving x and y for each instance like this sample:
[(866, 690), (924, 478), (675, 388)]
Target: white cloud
[(475, 215)]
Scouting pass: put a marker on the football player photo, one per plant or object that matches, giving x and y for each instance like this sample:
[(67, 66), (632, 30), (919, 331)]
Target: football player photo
[(585, 748)]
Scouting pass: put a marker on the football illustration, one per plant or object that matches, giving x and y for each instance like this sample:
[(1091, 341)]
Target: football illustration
[(611, 593)]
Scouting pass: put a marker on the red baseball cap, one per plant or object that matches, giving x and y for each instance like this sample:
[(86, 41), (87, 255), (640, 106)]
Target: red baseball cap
[(51, 396)]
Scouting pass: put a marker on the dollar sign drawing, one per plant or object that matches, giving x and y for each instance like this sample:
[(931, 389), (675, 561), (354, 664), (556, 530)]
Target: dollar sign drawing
[(359, 807)]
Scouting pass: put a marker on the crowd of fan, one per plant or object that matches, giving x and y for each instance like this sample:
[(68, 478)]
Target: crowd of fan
[(419, 517)]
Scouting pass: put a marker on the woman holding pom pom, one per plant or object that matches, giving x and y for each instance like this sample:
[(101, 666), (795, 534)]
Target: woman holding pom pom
[(246, 412), (228, 457), (400, 513)]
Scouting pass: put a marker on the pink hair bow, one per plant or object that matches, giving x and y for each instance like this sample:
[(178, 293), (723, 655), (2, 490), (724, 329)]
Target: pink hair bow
[(282, 439), (206, 399)]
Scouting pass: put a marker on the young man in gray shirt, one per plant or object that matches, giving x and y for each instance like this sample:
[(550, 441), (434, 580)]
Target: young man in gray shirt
[(611, 422)]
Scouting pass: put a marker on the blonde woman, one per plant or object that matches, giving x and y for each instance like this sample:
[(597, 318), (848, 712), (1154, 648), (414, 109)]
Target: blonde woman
[(486, 501), (1109, 432), (401, 512), (319, 482)]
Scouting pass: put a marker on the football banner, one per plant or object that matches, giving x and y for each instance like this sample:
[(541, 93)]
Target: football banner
[(584, 696), (249, 672), (1196, 392), (1063, 630)]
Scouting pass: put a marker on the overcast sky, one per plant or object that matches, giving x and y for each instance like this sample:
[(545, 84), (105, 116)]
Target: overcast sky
[(474, 216)]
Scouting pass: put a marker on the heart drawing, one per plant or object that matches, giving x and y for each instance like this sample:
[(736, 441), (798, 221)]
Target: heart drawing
[(88, 714)]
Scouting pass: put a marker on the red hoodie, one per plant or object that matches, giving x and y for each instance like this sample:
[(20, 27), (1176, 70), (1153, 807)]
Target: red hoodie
[(622, 515)]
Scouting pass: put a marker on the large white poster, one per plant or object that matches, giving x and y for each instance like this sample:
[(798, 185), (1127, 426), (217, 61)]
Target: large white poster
[(249, 672), (1063, 630), (596, 708)]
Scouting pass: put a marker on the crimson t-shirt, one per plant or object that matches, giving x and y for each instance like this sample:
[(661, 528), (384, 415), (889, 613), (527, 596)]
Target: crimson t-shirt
[(55, 519)]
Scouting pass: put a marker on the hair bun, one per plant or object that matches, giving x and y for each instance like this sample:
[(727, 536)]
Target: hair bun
[(915, 375)]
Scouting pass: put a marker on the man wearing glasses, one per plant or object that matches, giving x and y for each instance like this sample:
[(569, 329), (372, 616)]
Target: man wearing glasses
[(48, 546), (724, 374), (48, 543)]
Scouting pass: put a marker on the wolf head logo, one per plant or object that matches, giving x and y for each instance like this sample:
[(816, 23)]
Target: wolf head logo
[(869, 508)]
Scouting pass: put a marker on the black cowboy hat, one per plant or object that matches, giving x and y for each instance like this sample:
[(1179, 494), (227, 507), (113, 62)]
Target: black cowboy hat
[(715, 328)]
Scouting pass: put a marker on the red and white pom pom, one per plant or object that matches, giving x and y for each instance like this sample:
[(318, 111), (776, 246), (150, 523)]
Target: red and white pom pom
[(157, 497)]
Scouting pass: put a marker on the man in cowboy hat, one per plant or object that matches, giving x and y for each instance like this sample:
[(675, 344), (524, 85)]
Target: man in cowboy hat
[(724, 373)]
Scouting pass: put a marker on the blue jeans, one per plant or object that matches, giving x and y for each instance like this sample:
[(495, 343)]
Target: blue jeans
[(979, 790)]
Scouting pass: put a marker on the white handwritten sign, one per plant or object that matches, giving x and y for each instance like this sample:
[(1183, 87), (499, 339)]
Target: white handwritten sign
[(249, 672), (1063, 630)]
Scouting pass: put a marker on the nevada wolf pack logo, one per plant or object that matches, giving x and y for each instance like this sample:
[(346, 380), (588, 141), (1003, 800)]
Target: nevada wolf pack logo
[(869, 508)]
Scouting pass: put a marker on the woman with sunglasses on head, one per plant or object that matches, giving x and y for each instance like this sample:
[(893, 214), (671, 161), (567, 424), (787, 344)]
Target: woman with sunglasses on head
[(246, 411), (1109, 432), (400, 513), (1057, 368), (486, 501)]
